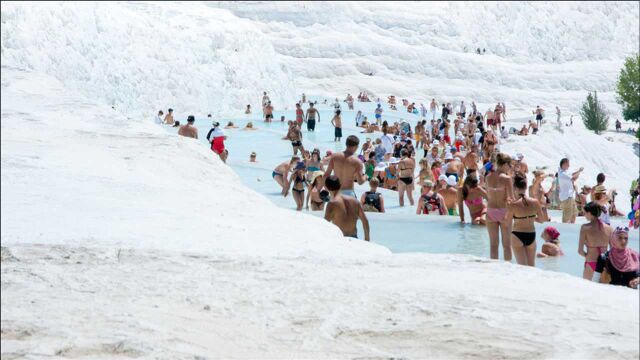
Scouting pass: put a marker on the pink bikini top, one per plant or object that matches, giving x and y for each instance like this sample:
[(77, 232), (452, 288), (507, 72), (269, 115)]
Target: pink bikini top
[(474, 202)]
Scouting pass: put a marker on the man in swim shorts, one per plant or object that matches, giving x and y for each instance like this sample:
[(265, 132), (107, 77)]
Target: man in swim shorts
[(268, 112), (311, 117), (344, 211), (347, 167), (216, 137)]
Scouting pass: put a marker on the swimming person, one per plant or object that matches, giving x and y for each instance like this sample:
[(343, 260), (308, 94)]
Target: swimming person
[(595, 236), (473, 196), (311, 117), (281, 172), (297, 182), (551, 246), (499, 190), (430, 201), (621, 263), (216, 138), (337, 123), (372, 201), (347, 167), (344, 211), (406, 168), (525, 212), (188, 130)]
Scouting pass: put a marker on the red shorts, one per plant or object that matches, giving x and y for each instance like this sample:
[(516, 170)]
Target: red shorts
[(217, 147), (489, 122), (447, 139)]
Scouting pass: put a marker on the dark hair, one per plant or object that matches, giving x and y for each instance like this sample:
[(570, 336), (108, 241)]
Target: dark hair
[(352, 140), (563, 161), (338, 112), (520, 181), (470, 181), (600, 178), (170, 109), (593, 208), (191, 118), (332, 183), (404, 152)]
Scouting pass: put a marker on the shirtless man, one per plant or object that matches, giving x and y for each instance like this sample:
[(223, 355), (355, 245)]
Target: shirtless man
[(281, 172), (471, 160), (168, 119), (347, 167), (188, 130), (450, 195), (538, 113), (268, 112), (447, 126), (533, 126), (489, 117), (310, 118), (453, 167), (433, 107), (344, 211), (337, 124)]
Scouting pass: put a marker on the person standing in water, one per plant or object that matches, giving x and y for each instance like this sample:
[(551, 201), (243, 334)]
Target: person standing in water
[(188, 130), (295, 135), (378, 114), (268, 112), (299, 115), (281, 172), (450, 194), (337, 124), (297, 182), (594, 236), (372, 201), (499, 190), (247, 111), (430, 201), (216, 138), (406, 166), (344, 211), (473, 196), (347, 167), (525, 212), (168, 119), (311, 117)]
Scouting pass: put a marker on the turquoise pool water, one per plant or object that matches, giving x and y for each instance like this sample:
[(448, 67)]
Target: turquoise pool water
[(399, 229)]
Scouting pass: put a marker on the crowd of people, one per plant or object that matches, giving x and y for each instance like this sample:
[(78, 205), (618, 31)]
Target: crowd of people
[(460, 168)]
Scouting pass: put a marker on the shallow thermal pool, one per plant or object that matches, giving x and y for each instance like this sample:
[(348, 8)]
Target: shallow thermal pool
[(399, 229)]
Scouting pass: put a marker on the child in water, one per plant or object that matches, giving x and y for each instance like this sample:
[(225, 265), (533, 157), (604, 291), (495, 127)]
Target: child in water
[(551, 246)]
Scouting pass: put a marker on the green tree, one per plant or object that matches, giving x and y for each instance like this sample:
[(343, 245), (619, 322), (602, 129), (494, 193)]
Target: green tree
[(628, 88), (594, 116)]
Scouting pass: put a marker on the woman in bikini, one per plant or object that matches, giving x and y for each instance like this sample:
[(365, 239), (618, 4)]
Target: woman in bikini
[(281, 171), (499, 191), (297, 182), (425, 171), (594, 236), (314, 163), (406, 167), (525, 212), (473, 196), (315, 188), (537, 192)]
